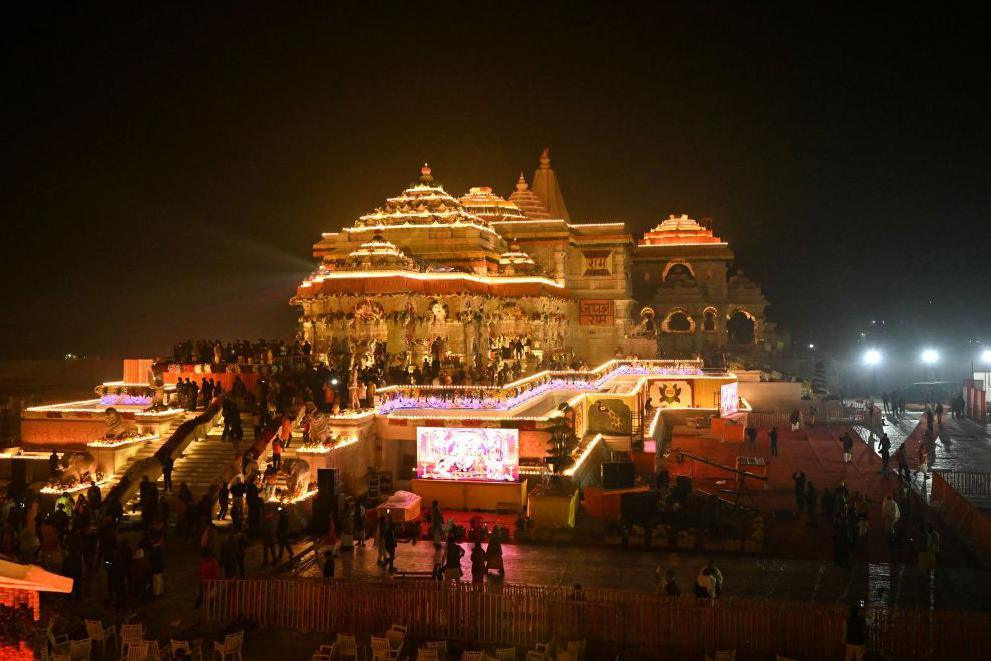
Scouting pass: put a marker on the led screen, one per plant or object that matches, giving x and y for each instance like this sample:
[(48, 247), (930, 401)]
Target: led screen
[(729, 399), (452, 453)]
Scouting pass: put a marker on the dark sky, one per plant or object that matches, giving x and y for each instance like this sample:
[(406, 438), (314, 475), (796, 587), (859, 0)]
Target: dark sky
[(166, 170)]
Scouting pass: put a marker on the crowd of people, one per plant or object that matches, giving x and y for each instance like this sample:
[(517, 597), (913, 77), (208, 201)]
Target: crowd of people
[(240, 352)]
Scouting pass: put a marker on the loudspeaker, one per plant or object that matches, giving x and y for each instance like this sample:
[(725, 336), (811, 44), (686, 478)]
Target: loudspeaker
[(638, 507), (617, 475), (327, 482)]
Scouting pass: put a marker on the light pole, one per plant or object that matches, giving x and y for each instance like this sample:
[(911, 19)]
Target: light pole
[(930, 357), (872, 358)]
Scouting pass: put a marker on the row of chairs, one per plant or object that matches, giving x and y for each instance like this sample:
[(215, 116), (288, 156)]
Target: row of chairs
[(133, 646), (387, 647)]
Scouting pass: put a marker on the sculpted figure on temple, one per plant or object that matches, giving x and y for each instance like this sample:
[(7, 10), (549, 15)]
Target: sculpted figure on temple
[(115, 424)]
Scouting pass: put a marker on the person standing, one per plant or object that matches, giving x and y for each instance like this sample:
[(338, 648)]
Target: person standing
[(493, 554), (452, 564), (799, 479), (223, 500), (847, 442), (209, 571), (811, 500), (168, 463), (903, 470), (773, 435), (885, 448), (828, 504), (328, 565), (276, 452), (939, 414), (930, 418), (192, 394), (478, 568), (855, 635), (390, 545), (282, 533), (268, 536), (884, 400), (891, 514)]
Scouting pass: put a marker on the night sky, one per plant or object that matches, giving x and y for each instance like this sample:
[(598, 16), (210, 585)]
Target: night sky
[(166, 171)]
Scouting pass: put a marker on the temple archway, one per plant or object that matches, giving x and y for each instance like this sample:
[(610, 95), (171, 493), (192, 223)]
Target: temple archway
[(741, 327), (678, 321), (709, 320), (678, 272)]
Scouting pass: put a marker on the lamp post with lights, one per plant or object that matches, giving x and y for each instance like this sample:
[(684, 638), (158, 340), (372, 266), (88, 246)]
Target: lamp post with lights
[(873, 358)]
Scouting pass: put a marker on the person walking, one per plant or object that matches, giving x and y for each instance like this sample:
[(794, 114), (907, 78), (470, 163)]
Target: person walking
[(891, 514), (939, 414), (884, 400), (855, 635), (773, 435), (902, 460), (799, 479), (359, 524), (930, 418)]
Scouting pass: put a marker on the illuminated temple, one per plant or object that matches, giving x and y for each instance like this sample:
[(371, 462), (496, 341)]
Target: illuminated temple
[(432, 275), (502, 341)]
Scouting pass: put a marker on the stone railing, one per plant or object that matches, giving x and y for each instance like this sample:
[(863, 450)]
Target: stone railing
[(518, 392)]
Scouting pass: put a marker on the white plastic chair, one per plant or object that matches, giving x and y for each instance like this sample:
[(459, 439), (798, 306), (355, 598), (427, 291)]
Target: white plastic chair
[(231, 647), (577, 649), (471, 656), (426, 654), (382, 650), (506, 654), (101, 634), (347, 647), (439, 645), (130, 634), (136, 651)]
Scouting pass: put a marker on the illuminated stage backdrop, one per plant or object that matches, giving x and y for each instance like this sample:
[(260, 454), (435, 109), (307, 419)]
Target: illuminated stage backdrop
[(452, 453), (729, 399)]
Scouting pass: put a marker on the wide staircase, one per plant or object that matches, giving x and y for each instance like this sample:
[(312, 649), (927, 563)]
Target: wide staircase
[(203, 462)]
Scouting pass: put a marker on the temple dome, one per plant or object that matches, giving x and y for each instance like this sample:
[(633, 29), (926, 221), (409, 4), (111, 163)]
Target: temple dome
[(527, 201), (679, 230), (481, 201), (378, 254), (515, 261), (422, 203)]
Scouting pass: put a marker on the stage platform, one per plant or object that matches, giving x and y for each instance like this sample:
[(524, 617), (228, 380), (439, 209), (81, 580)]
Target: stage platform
[(471, 495)]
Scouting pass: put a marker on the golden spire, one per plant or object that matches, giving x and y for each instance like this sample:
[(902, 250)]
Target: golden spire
[(425, 176)]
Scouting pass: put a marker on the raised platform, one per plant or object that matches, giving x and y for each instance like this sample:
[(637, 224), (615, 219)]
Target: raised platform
[(471, 495)]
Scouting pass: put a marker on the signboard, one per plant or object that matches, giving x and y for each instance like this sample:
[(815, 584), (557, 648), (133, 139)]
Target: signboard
[(594, 312), (729, 399), (598, 262), (459, 453), (670, 394)]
